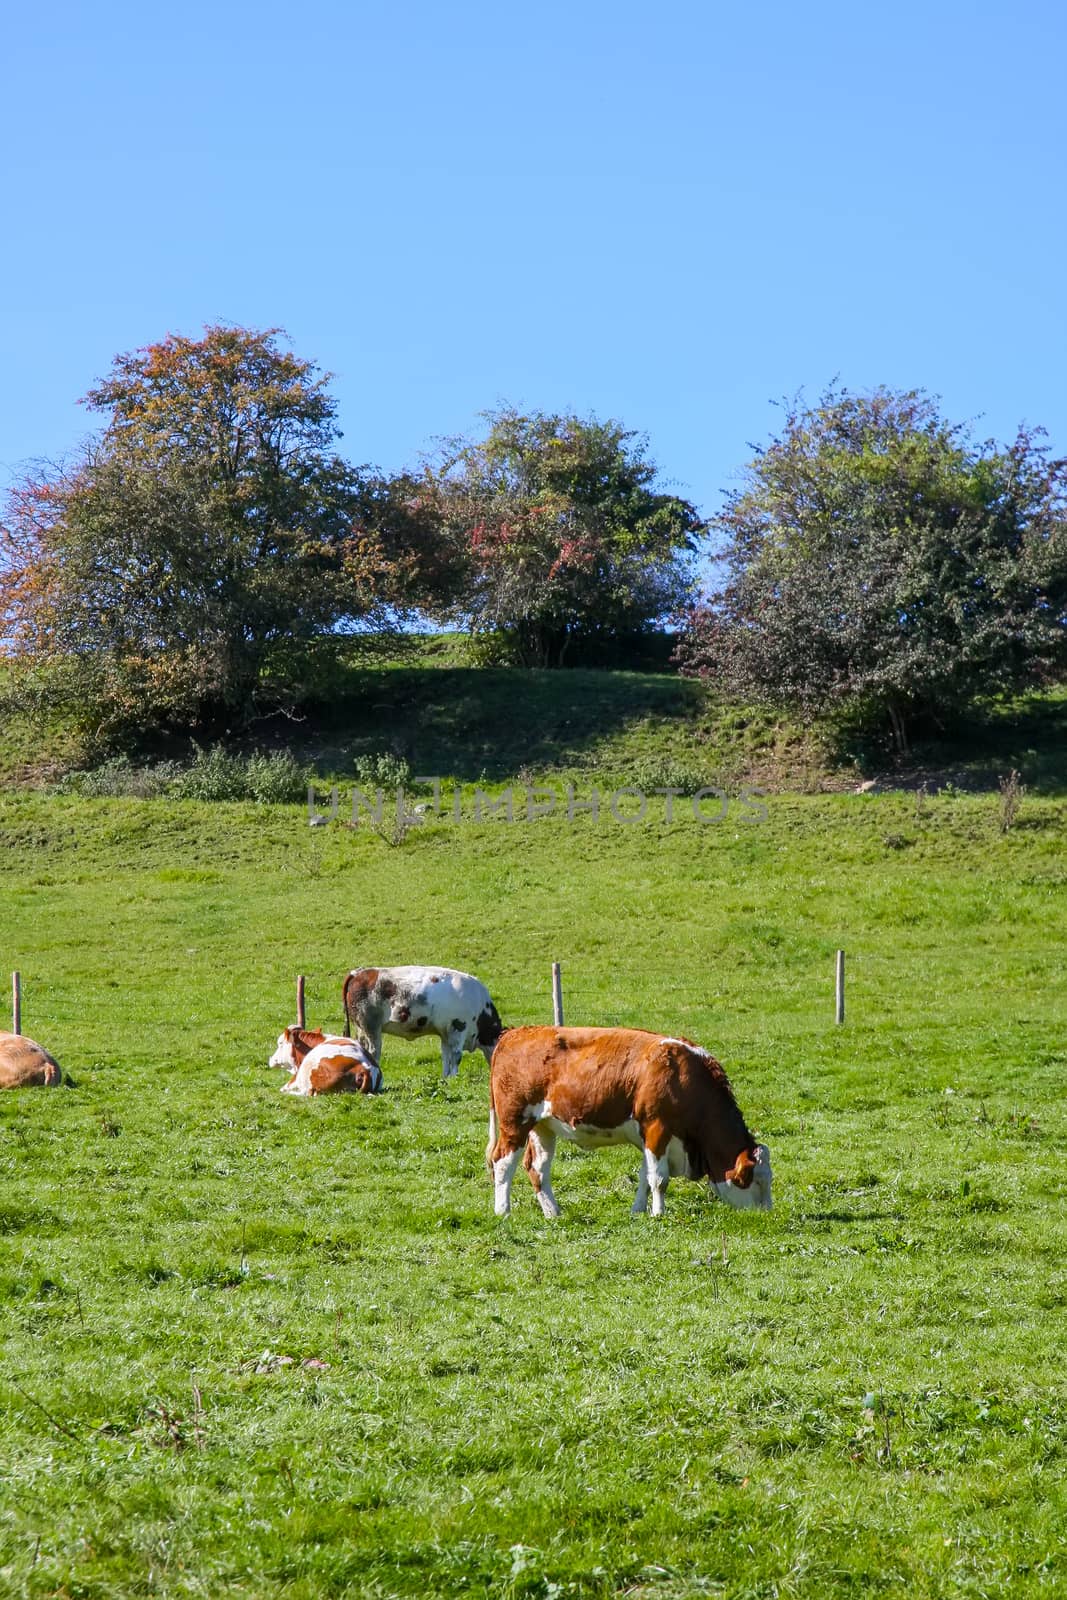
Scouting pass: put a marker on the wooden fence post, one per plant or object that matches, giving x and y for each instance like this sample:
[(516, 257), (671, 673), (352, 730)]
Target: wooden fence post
[(839, 987), (557, 996), (301, 1013), (16, 1003)]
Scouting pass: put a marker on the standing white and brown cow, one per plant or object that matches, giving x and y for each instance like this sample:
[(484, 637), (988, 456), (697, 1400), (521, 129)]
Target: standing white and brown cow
[(25, 1064), (600, 1086), (414, 1001), (321, 1063)]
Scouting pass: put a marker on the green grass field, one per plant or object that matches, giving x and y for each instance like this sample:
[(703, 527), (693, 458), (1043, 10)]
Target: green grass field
[(260, 1347)]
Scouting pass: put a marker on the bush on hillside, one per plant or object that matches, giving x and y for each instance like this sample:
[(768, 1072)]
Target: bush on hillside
[(382, 769), (666, 771), (886, 569)]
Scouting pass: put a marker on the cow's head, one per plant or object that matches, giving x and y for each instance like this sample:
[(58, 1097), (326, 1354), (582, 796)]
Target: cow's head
[(293, 1046), (283, 1055), (747, 1184)]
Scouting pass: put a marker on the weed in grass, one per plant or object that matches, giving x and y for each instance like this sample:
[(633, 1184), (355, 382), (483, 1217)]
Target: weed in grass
[(1012, 790)]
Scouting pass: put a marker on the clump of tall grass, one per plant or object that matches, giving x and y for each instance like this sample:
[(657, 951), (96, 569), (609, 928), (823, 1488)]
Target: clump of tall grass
[(382, 769), (266, 777), (119, 777), (665, 771)]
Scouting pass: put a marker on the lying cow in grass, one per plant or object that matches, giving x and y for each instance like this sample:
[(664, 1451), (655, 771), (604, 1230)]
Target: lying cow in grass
[(26, 1065), (321, 1063), (600, 1086), (415, 1001)]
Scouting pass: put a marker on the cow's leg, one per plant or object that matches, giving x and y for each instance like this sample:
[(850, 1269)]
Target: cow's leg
[(505, 1163), (451, 1052), (657, 1166), (298, 1083), (371, 1040), (656, 1177), (487, 1052), (641, 1198), (539, 1152), (494, 1130)]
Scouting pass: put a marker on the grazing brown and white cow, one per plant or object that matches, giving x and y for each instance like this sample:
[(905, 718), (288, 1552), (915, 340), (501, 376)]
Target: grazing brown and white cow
[(600, 1086), (321, 1063), (414, 1001), (26, 1065)]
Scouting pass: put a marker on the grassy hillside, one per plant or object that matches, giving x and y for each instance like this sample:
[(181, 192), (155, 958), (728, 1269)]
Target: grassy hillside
[(425, 699), (256, 1347)]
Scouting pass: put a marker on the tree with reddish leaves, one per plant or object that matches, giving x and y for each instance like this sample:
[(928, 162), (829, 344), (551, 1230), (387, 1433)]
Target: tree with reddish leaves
[(885, 568), (209, 547), (570, 551)]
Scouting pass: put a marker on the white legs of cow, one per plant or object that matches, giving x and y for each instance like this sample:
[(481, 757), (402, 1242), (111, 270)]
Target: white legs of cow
[(540, 1149), (504, 1171), (654, 1174), (539, 1152), (452, 1048)]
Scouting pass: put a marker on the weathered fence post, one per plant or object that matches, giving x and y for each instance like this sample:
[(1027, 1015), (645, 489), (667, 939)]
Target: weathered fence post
[(839, 987), (16, 1003), (557, 996), (301, 1014)]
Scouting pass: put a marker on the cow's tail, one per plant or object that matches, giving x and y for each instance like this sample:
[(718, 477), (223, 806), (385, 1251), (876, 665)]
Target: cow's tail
[(344, 1002), (494, 1128)]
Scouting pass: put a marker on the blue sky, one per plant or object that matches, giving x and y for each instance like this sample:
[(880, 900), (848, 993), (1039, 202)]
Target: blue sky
[(669, 213)]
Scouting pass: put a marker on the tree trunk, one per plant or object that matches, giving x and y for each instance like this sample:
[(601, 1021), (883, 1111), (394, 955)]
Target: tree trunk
[(900, 733)]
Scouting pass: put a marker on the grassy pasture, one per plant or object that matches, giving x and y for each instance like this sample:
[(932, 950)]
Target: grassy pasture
[(258, 1347)]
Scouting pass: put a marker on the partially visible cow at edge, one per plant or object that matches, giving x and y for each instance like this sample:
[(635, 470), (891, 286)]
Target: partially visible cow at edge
[(25, 1064), (321, 1063), (600, 1086), (414, 1001)]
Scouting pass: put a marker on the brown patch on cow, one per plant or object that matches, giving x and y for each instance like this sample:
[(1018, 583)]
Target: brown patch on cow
[(357, 986), (341, 1075), (435, 980), (388, 988), (403, 1013), (657, 1136), (531, 1172), (303, 1040), (24, 1064)]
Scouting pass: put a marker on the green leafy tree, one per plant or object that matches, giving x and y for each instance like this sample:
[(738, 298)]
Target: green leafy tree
[(882, 564), (205, 541), (568, 550)]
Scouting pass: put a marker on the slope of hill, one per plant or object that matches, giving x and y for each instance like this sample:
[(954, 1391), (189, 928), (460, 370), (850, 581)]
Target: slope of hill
[(426, 701)]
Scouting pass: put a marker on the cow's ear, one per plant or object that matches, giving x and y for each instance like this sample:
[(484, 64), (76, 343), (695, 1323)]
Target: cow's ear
[(742, 1170)]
